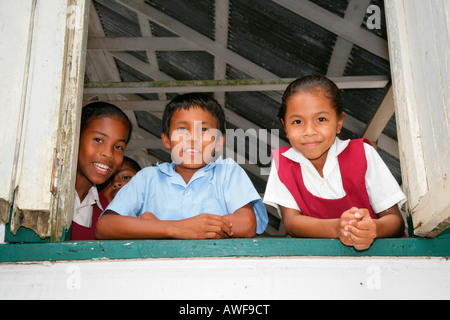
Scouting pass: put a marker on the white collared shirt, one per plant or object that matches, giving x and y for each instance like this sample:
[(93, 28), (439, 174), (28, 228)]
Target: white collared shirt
[(382, 188), (82, 212)]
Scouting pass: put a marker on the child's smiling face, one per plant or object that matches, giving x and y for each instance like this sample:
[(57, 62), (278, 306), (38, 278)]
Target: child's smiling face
[(102, 145), (311, 125), (119, 179), (193, 137)]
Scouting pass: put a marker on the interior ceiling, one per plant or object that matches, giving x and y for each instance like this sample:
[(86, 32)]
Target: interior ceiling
[(154, 49)]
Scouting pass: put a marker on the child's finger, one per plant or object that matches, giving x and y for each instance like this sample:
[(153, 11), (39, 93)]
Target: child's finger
[(360, 242), (362, 213), (224, 226)]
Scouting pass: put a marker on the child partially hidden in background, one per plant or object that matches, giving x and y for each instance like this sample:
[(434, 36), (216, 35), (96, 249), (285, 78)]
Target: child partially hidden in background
[(127, 170), (104, 133), (326, 187)]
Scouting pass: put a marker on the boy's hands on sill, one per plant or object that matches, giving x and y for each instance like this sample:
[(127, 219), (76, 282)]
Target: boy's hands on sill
[(203, 226), (242, 223)]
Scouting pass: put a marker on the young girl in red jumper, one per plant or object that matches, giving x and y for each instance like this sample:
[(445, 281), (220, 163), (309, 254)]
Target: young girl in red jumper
[(104, 133), (325, 187)]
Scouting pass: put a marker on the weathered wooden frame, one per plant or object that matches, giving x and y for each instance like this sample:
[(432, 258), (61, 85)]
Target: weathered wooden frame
[(419, 49)]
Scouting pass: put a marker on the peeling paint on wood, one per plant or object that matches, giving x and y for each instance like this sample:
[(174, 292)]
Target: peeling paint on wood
[(420, 81), (5, 208), (38, 221)]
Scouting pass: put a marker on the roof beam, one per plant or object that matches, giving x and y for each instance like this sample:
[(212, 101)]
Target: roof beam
[(333, 23), (146, 31), (216, 49), (239, 85), (222, 12), (137, 105), (152, 71), (385, 142), (356, 11), (100, 66), (141, 44), (381, 118)]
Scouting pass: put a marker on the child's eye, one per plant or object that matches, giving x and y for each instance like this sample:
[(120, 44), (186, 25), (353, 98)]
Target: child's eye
[(98, 140), (297, 122), (126, 178), (119, 148), (321, 119)]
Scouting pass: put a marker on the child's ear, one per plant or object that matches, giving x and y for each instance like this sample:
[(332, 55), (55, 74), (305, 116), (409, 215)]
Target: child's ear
[(166, 141), (340, 123)]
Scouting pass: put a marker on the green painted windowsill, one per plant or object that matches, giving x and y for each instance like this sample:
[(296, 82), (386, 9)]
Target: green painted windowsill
[(255, 247)]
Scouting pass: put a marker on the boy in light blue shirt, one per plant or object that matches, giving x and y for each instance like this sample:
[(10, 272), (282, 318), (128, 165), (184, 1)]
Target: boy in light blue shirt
[(194, 197)]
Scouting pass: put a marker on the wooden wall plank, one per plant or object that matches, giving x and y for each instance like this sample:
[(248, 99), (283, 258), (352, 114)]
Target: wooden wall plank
[(15, 44), (419, 49)]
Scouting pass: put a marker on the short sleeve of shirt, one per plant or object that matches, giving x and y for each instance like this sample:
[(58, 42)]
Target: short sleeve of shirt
[(239, 191), (277, 194), (382, 188)]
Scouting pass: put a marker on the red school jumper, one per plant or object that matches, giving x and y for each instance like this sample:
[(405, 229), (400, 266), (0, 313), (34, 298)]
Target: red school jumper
[(84, 233), (353, 167)]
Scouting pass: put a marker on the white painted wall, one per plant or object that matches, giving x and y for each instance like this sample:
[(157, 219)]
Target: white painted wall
[(230, 278)]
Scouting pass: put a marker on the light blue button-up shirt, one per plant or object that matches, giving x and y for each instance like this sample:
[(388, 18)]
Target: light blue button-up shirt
[(219, 188)]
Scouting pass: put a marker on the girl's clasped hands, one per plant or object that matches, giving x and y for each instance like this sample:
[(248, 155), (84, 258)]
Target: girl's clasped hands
[(357, 228)]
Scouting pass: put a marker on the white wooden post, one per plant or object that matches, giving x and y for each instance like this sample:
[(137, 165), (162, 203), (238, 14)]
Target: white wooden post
[(15, 45), (41, 109), (418, 34)]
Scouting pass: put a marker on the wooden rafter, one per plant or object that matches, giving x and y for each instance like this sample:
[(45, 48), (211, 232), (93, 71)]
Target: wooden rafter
[(216, 49), (355, 14), (357, 82), (339, 26)]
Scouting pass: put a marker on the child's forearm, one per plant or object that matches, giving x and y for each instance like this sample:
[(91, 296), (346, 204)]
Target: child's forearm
[(114, 226), (243, 222), (308, 227), (390, 224), (298, 225), (204, 226)]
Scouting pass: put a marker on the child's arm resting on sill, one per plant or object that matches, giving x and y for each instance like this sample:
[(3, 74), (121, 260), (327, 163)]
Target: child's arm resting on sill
[(354, 228), (242, 223), (204, 226), (362, 229), (298, 225)]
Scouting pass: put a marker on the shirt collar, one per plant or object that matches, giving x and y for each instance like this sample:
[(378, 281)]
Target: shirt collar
[(169, 169), (336, 148), (91, 198), (83, 211)]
